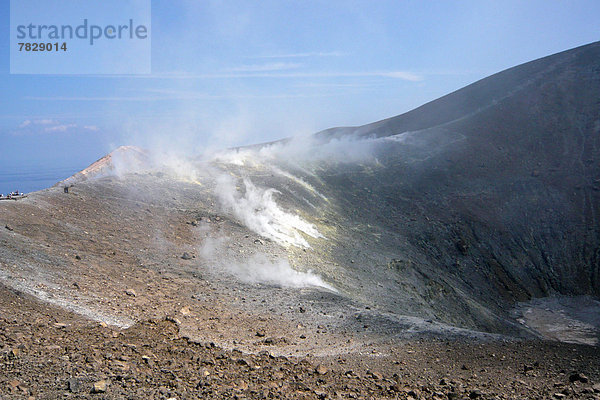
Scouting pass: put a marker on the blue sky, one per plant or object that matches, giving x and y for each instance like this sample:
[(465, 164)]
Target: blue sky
[(228, 73)]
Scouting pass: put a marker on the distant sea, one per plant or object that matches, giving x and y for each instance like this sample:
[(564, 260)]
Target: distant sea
[(32, 178)]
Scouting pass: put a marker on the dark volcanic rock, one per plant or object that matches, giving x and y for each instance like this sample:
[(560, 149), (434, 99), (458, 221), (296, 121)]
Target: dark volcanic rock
[(454, 191)]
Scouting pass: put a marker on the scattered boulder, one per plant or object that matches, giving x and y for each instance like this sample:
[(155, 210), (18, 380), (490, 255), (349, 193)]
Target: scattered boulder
[(100, 386), (462, 246), (185, 311), (173, 319), (74, 385), (8, 227), (186, 256), (578, 377), (130, 292), (375, 375), (271, 341), (321, 369), (397, 264), (14, 383)]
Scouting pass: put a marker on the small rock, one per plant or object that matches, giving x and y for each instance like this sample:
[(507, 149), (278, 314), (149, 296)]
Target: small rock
[(375, 375), (321, 369), (244, 362), (77, 257), (99, 387), (302, 310), (260, 333), (395, 388), (74, 385), (147, 360), (130, 292), (559, 395), (596, 388), (475, 394), (185, 311), (462, 246), (8, 227), (186, 256), (172, 319), (320, 394), (578, 377), (258, 241)]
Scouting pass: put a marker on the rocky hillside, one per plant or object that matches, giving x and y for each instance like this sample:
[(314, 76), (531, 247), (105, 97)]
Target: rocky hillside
[(442, 218), (487, 196)]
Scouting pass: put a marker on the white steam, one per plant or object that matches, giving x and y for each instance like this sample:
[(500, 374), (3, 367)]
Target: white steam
[(303, 150), (258, 268), (257, 209)]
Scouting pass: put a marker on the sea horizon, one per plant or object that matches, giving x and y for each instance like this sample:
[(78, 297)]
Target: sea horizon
[(32, 178)]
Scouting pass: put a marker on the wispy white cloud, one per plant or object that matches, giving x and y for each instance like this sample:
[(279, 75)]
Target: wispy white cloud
[(42, 126), (304, 55), (29, 122), (339, 85), (403, 75), (60, 128), (173, 95), (279, 66), (45, 122)]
